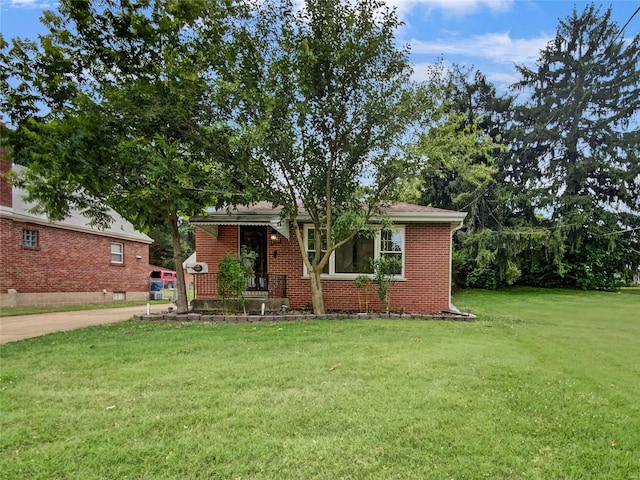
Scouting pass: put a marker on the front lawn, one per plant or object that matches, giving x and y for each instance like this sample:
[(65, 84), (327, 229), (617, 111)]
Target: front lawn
[(17, 311), (545, 385)]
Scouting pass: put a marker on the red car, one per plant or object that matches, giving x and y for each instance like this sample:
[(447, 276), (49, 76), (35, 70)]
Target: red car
[(167, 277)]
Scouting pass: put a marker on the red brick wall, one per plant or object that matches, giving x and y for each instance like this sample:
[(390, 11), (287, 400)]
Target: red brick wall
[(68, 261), (211, 250), (425, 288)]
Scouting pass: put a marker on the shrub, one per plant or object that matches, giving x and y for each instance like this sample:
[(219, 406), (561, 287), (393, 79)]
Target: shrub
[(231, 280)]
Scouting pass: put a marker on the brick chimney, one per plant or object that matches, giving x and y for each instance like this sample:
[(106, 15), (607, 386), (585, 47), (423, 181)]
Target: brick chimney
[(6, 196)]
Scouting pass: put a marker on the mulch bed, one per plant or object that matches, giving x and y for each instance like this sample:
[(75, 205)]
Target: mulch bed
[(293, 317)]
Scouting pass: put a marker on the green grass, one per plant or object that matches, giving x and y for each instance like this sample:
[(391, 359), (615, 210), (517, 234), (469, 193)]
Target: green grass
[(11, 312), (631, 290), (545, 385), (167, 297)]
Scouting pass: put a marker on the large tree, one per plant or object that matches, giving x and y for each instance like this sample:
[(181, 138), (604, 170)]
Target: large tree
[(120, 105), (578, 140), (467, 169), (161, 250), (329, 98), (463, 145)]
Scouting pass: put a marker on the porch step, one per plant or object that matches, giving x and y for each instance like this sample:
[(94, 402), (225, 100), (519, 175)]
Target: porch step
[(253, 305), (260, 295)]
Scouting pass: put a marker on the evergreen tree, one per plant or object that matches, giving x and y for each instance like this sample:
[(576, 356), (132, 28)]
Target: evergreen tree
[(464, 146), (577, 146), (468, 167)]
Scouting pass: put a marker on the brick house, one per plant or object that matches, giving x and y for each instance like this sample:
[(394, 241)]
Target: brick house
[(55, 263), (420, 238)]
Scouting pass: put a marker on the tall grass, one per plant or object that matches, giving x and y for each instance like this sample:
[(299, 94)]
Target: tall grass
[(545, 385)]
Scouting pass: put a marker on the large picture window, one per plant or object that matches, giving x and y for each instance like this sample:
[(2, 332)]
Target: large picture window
[(357, 255)]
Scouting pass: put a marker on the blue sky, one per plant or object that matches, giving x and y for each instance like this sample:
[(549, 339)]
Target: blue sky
[(490, 35)]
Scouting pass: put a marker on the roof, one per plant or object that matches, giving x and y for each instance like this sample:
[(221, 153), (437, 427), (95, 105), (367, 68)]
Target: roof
[(264, 213), (404, 207), (120, 228), (409, 212)]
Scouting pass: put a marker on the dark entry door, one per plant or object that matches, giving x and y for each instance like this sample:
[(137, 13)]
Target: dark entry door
[(254, 237)]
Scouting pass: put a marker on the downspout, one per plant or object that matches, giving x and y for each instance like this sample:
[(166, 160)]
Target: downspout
[(452, 307)]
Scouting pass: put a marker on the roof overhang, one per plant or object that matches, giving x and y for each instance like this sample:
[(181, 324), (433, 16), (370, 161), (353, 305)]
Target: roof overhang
[(209, 223), (453, 218)]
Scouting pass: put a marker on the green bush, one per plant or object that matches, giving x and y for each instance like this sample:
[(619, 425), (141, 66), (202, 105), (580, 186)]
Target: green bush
[(231, 280)]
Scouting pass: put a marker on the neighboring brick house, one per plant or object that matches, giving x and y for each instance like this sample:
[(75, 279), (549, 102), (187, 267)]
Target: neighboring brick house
[(421, 239), (54, 263)]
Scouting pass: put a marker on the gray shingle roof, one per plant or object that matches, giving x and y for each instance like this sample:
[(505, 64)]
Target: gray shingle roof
[(119, 228)]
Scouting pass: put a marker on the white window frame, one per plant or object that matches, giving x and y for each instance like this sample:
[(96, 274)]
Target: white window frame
[(377, 250), (29, 238), (117, 253)]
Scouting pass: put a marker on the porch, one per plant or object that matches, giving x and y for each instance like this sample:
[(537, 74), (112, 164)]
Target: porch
[(268, 289), (269, 285)]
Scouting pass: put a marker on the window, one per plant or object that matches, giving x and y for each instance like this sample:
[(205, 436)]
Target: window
[(117, 253), (391, 246), (357, 255), (311, 246), (30, 238)]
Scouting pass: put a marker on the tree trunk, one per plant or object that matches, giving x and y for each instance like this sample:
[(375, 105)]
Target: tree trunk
[(182, 302), (316, 285), (316, 293)]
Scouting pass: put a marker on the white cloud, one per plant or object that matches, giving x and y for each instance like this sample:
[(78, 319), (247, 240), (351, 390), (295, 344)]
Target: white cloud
[(496, 47), (36, 4), (453, 7), (503, 80), (423, 71)]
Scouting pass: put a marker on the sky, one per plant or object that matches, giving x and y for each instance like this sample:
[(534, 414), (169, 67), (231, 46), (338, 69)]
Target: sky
[(489, 35)]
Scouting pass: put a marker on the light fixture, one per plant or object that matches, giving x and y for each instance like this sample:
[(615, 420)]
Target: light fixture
[(274, 238)]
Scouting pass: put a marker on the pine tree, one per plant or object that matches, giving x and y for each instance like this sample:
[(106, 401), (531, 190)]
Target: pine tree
[(578, 144)]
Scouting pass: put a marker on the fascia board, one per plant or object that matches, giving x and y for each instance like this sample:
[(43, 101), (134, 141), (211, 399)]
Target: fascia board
[(262, 219), (423, 217)]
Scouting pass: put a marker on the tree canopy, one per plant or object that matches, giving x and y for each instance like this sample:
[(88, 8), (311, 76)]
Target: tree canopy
[(120, 105), (580, 126), (329, 104), (562, 208), (158, 108)]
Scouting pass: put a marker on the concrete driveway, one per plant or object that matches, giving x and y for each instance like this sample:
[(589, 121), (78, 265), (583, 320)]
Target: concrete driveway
[(27, 326)]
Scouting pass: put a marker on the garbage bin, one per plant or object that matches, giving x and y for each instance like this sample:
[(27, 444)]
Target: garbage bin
[(155, 287)]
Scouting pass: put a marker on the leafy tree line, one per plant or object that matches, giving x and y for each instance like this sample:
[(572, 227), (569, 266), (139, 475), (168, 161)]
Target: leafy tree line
[(159, 108), (559, 204), (161, 250), (118, 106)]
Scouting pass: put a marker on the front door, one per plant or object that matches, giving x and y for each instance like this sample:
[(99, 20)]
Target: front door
[(254, 238)]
